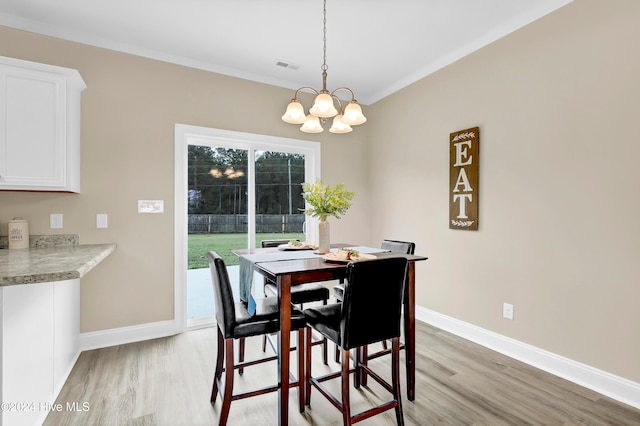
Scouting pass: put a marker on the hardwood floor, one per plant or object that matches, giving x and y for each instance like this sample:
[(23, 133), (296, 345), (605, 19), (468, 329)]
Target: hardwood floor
[(168, 382)]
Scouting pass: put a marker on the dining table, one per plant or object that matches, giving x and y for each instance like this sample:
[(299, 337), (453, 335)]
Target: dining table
[(290, 269)]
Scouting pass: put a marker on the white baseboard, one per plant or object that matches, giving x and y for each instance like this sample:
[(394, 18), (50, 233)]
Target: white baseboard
[(615, 387), (123, 335), (198, 323)]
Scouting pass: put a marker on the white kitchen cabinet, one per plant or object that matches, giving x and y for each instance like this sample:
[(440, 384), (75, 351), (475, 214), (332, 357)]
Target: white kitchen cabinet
[(39, 126), (39, 329)]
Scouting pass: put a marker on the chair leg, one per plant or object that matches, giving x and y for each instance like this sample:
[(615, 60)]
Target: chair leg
[(357, 375), (346, 405), (307, 373), (364, 360), (384, 344), (325, 355), (395, 377), (302, 384), (218, 373), (228, 383), (264, 343), (337, 350), (325, 345), (241, 343)]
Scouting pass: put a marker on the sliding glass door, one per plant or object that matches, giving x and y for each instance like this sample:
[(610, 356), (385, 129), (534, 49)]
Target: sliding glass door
[(240, 190)]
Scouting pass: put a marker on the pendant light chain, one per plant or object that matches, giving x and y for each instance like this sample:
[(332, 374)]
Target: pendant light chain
[(324, 38), (324, 105)]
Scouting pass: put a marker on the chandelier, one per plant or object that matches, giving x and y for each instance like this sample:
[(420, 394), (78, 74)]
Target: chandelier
[(324, 106)]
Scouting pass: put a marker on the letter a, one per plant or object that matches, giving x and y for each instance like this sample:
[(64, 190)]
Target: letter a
[(462, 180)]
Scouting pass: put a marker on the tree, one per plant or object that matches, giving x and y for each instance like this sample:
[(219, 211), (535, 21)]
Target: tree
[(278, 183), (217, 180)]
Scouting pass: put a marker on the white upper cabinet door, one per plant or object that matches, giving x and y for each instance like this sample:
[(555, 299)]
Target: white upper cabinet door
[(40, 127)]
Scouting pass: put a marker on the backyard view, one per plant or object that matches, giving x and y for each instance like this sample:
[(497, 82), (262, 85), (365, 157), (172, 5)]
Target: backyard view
[(218, 200), (218, 210), (218, 181), (200, 244)]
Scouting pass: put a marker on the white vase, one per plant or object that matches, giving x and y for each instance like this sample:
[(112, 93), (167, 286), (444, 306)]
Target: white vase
[(324, 244)]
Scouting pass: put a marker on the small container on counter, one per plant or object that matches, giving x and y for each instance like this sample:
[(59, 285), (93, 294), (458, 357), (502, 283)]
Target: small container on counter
[(18, 233)]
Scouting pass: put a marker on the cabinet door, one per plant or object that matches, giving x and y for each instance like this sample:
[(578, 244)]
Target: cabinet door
[(33, 114), (66, 345), (27, 352)]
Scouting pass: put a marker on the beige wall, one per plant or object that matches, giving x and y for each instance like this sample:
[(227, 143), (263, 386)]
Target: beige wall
[(129, 110), (557, 104)]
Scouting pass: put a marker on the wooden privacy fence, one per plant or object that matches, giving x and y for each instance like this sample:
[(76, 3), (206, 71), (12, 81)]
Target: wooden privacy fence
[(237, 223)]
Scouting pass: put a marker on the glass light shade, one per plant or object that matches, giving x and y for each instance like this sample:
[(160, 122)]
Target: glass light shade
[(353, 114), (312, 125), (295, 113), (339, 126), (323, 106)]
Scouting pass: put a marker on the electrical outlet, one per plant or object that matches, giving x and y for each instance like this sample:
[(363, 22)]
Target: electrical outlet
[(507, 311), (55, 221)]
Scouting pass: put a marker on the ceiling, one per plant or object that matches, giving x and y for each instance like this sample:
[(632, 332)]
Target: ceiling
[(374, 47)]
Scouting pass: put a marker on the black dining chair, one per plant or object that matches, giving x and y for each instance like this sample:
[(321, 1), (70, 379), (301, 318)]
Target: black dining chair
[(300, 294), (234, 322), (406, 247), (370, 312)]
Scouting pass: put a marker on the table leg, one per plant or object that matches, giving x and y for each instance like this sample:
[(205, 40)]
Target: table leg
[(284, 335), (410, 331)]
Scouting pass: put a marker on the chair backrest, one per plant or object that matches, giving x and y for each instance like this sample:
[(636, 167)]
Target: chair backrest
[(222, 294), (405, 247), (372, 304), (273, 243)]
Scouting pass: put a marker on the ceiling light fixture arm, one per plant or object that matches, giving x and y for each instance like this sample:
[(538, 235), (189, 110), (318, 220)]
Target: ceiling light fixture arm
[(311, 89), (353, 96), (323, 105)]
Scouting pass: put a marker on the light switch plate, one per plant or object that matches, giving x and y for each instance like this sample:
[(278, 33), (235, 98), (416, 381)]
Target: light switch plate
[(150, 206), (102, 220)]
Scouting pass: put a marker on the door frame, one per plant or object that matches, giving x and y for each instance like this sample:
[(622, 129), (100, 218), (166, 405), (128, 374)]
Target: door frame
[(186, 135)]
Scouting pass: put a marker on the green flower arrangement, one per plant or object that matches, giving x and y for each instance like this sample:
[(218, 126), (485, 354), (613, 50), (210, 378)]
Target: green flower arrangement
[(326, 200)]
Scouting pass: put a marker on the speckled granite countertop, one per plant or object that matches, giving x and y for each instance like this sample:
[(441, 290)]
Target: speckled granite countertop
[(58, 263)]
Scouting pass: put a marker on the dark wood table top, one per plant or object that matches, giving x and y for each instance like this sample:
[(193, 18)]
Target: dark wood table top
[(241, 252), (258, 250), (315, 265)]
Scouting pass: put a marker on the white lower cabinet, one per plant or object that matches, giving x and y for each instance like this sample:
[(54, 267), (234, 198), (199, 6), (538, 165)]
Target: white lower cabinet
[(40, 344)]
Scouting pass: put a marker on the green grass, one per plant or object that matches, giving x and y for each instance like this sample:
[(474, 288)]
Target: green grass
[(200, 244)]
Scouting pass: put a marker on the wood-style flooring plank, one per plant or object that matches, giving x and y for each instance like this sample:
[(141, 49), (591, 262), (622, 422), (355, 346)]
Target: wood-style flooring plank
[(168, 382)]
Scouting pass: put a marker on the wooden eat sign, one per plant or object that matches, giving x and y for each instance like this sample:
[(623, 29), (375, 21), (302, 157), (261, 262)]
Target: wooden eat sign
[(463, 179)]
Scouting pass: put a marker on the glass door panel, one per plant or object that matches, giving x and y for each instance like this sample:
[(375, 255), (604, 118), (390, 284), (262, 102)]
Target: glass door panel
[(217, 218), (278, 196)]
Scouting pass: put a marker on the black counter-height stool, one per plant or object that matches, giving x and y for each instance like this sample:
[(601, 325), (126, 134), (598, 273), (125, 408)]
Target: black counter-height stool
[(370, 312), (300, 294), (406, 247), (234, 322)]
